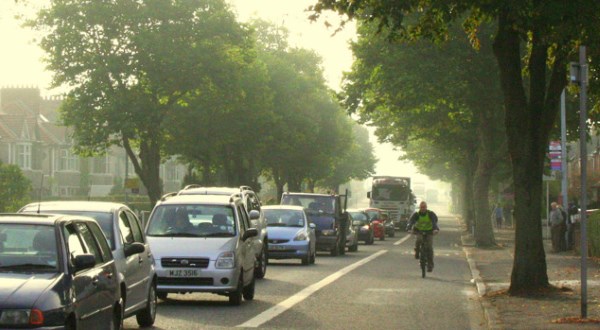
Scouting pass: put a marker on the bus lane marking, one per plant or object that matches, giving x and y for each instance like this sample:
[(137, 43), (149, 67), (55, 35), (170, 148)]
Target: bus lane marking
[(283, 306)]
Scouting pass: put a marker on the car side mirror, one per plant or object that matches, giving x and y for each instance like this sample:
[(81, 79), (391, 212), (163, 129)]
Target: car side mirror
[(133, 248), (254, 215), (250, 232), (84, 261)]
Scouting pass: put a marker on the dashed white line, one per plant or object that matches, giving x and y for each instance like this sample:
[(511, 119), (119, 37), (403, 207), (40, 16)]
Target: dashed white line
[(281, 307), (402, 240)]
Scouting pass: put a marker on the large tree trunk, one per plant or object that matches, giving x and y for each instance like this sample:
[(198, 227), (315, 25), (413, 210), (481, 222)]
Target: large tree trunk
[(467, 199), (484, 233), (528, 125), (148, 167)]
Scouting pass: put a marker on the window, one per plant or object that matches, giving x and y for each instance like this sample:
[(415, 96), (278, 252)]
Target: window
[(68, 161), (135, 227), (125, 228), (75, 244), (24, 155), (90, 242), (102, 243), (101, 165)]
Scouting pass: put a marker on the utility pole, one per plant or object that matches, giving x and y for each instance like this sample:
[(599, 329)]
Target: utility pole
[(579, 75)]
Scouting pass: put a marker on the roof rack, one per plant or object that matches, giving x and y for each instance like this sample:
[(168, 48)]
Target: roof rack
[(245, 188), (165, 196), (193, 185), (234, 195)]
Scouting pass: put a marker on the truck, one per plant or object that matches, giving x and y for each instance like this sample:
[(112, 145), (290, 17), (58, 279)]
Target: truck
[(392, 194)]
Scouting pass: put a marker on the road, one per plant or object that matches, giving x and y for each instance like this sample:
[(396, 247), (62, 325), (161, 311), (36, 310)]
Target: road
[(379, 286)]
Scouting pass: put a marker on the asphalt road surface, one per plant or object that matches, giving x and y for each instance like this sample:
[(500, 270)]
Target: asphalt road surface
[(380, 286)]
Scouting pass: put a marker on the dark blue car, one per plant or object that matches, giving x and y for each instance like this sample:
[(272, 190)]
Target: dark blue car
[(56, 272)]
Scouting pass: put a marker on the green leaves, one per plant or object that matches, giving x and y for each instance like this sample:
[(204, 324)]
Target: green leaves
[(14, 188)]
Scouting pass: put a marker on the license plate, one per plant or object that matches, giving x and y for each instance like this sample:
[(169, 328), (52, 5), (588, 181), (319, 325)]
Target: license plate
[(183, 273), (276, 247)]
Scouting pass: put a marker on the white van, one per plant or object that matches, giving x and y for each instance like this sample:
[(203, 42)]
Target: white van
[(202, 244)]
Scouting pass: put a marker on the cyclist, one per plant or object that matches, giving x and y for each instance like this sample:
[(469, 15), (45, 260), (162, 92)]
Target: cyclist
[(424, 220)]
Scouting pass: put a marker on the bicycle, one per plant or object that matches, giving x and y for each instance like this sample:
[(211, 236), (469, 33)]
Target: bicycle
[(423, 252)]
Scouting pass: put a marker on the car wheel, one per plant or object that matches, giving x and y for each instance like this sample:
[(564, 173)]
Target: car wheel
[(235, 297), (261, 269), (313, 257), (307, 257), (392, 234), (162, 295), (71, 323), (335, 251), (146, 317), (342, 246), (117, 317), (248, 291), (382, 238)]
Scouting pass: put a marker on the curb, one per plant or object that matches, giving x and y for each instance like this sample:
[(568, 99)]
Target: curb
[(489, 311)]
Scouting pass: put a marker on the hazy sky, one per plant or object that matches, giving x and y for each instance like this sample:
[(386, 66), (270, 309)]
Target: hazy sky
[(21, 65)]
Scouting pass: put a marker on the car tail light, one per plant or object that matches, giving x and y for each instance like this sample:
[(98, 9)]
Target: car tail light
[(36, 317)]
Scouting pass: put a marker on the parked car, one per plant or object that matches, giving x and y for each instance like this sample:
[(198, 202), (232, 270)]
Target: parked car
[(202, 243), (291, 235), (132, 254), (376, 218), (362, 225), (57, 272), (251, 202)]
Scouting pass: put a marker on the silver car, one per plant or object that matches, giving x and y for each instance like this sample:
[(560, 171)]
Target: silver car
[(251, 202), (131, 251), (203, 244)]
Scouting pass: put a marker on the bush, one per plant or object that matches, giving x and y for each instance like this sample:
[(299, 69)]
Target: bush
[(14, 188)]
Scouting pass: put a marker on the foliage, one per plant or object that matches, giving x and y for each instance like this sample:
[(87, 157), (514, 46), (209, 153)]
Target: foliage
[(14, 188), (533, 43), (132, 64)]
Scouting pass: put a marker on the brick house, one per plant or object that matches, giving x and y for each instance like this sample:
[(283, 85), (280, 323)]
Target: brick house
[(31, 139)]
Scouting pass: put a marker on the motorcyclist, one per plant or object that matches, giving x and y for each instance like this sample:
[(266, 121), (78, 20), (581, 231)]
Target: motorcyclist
[(424, 220)]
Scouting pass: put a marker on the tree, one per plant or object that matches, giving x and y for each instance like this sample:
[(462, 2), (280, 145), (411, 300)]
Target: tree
[(532, 45), (14, 188), (439, 94), (131, 64)]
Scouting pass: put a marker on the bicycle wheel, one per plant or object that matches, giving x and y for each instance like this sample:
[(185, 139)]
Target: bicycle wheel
[(423, 259)]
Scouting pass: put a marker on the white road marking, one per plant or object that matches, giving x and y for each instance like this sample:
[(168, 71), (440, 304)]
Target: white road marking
[(402, 240), (272, 312)]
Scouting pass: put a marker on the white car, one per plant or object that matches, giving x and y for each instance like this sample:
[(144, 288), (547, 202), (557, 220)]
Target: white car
[(203, 244)]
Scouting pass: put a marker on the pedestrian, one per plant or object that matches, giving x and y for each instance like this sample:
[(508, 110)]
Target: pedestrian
[(556, 222), (498, 215), (563, 229), (573, 213), (424, 220)]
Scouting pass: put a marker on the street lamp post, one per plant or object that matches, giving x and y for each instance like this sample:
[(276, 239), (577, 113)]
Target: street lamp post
[(579, 75)]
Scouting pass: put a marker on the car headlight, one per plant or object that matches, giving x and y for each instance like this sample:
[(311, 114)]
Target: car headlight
[(328, 232), (22, 317), (364, 228), (300, 236), (226, 260)]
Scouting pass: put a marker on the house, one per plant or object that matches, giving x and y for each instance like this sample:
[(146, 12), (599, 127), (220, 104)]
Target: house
[(31, 138)]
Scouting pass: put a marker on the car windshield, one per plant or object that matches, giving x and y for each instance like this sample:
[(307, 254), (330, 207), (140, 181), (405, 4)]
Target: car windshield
[(104, 219), (28, 248), (359, 216), (284, 218), (192, 220), (312, 204)]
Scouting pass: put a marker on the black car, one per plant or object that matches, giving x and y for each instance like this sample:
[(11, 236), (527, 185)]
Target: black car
[(57, 272)]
